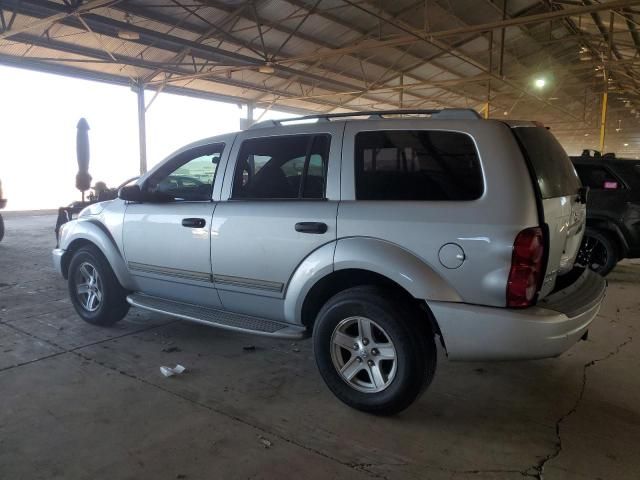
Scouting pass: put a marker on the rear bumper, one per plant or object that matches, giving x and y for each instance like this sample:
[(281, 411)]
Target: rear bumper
[(473, 332)]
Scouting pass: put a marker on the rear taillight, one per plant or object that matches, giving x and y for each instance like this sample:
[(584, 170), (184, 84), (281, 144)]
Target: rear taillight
[(526, 267)]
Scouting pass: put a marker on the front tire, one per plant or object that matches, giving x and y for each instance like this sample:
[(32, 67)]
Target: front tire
[(95, 292), (374, 353)]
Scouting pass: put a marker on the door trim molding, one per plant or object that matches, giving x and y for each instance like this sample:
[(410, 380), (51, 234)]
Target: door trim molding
[(172, 272), (248, 283)]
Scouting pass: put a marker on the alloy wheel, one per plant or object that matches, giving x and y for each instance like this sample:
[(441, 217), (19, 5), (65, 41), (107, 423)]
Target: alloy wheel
[(363, 354), (88, 287)]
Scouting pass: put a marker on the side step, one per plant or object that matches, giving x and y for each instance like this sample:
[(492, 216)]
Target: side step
[(217, 318)]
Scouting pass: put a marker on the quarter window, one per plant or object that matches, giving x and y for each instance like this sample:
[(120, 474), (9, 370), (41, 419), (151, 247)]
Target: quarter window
[(416, 165), (282, 167)]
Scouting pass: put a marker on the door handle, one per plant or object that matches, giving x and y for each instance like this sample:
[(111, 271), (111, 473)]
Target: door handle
[(311, 227), (193, 222)]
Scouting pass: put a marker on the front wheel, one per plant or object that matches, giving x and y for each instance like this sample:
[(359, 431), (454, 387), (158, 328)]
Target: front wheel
[(373, 353), (95, 292)]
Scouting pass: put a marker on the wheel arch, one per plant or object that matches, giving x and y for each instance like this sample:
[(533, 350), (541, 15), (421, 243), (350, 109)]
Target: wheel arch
[(340, 280), (88, 233), (611, 228)]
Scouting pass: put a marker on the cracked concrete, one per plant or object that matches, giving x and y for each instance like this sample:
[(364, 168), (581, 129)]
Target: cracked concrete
[(78, 401)]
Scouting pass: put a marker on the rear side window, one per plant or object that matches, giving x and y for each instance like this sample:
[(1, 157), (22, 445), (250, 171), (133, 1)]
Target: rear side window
[(286, 167), (598, 178), (553, 169), (417, 165)]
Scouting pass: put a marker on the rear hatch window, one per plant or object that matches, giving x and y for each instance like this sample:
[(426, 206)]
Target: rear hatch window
[(553, 169)]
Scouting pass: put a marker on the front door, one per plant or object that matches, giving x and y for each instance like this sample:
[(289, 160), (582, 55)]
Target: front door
[(281, 206), (166, 239)]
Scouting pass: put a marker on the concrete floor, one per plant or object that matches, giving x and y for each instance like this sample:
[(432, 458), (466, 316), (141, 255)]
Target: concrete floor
[(77, 401)]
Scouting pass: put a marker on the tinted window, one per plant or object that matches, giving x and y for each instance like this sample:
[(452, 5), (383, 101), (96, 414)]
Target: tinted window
[(553, 169), (416, 165), (282, 167), (598, 178), (190, 177)]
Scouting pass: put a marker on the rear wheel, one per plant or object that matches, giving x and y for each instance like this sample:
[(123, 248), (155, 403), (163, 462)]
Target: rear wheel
[(1, 228), (373, 353), (598, 252), (94, 289)]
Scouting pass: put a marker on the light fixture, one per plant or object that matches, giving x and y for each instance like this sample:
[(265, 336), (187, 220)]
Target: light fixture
[(267, 68), (626, 144), (540, 82), (586, 134), (126, 34)]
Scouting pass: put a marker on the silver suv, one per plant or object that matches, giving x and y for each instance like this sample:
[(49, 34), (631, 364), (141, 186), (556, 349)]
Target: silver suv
[(372, 232)]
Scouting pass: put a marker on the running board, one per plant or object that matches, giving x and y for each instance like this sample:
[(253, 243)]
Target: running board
[(217, 318)]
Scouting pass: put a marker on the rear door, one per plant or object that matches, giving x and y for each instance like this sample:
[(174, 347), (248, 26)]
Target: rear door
[(281, 205), (558, 186), (608, 195)]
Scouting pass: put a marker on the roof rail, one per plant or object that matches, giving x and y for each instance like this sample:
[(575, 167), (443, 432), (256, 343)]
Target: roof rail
[(444, 114)]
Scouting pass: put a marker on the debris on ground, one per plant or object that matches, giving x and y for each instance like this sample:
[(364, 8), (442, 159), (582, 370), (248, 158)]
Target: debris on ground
[(170, 372), (265, 442), (171, 349)]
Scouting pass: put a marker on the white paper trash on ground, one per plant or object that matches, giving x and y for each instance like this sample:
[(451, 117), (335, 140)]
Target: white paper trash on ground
[(170, 372)]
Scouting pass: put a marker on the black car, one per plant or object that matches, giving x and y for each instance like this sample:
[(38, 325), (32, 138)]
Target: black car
[(613, 210)]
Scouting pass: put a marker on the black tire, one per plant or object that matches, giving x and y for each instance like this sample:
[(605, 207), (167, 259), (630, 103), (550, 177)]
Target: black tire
[(409, 333), (1, 228), (112, 305), (599, 251)]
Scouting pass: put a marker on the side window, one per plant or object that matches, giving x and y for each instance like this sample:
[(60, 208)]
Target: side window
[(417, 165), (190, 177), (282, 167), (598, 178)]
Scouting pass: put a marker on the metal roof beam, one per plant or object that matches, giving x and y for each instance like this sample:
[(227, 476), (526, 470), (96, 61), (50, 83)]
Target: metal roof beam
[(110, 27), (420, 35), (46, 21)]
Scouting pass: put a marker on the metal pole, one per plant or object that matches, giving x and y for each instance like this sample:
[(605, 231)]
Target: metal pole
[(142, 129), (487, 105), (250, 113), (603, 121)]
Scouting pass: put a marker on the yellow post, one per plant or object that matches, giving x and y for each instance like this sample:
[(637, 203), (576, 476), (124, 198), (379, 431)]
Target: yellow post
[(486, 110), (603, 121)]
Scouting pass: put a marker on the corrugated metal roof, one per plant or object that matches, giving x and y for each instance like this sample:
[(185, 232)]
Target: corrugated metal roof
[(347, 54)]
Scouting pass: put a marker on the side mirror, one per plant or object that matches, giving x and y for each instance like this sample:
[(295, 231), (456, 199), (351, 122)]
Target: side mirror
[(130, 193)]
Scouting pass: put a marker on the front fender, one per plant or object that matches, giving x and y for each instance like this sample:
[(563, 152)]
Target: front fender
[(394, 262), (93, 231)]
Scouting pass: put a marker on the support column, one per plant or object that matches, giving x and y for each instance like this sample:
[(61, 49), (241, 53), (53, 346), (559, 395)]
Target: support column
[(142, 128), (247, 122), (603, 121)]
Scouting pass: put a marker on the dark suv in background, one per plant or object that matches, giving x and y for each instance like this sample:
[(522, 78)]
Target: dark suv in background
[(613, 209)]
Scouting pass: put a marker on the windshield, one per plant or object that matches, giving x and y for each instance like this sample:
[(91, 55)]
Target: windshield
[(554, 171)]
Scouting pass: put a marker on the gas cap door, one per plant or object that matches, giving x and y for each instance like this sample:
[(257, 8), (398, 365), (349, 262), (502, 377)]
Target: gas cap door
[(451, 255)]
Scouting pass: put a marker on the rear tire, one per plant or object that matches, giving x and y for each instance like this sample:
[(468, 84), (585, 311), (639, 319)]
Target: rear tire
[(374, 353), (599, 251), (94, 290), (1, 228)]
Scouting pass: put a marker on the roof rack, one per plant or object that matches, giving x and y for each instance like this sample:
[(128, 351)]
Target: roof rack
[(441, 114)]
